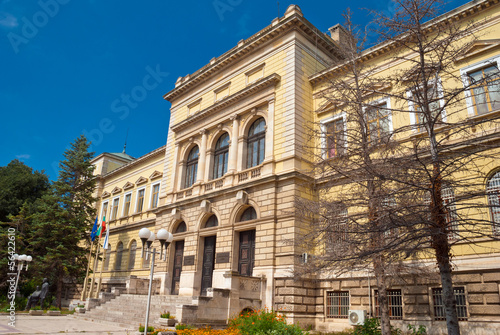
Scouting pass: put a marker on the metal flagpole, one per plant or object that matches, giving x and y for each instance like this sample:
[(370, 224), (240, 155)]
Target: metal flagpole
[(100, 272), (87, 274), (91, 291)]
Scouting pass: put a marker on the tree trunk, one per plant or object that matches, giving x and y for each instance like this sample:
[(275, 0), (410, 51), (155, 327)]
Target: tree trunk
[(385, 321), (59, 291), (442, 247)]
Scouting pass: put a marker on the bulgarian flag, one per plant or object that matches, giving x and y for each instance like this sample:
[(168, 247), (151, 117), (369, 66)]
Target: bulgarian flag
[(102, 227)]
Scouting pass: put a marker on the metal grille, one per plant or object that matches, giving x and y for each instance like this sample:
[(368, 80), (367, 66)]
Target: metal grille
[(395, 302), (439, 311), (337, 304), (493, 190)]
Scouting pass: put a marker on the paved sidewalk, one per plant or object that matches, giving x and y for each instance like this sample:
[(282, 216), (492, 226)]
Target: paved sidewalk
[(64, 324)]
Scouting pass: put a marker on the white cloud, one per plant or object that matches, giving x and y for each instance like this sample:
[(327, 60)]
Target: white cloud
[(23, 156), (8, 20)]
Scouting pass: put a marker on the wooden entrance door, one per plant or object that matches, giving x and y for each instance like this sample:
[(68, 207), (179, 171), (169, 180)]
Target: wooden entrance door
[(176, 273), (247, 252), (208, 264)]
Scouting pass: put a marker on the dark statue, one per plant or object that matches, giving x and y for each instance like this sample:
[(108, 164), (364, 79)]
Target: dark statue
[(39, 295)]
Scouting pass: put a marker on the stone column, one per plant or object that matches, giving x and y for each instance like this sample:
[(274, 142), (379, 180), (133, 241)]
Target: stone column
[(175, 169), (270, 131), (203, 156), (233, 148)]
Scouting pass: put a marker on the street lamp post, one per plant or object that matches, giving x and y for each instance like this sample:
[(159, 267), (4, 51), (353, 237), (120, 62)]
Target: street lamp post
[(20, 259), (147, 237)]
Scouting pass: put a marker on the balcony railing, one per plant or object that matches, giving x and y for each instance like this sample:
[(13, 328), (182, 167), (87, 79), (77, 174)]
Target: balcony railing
[(249, 174)]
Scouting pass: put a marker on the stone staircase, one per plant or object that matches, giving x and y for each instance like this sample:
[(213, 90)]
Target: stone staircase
[(130, 309)]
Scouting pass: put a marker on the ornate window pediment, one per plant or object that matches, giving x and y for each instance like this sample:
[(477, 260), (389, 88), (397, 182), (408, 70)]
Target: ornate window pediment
[(105, 194), (116, 190), (141, 180), (478, 47), (156, 174), (128, 185)]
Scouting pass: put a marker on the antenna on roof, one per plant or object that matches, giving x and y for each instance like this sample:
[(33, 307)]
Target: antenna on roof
[(278, 8), (125, 145)]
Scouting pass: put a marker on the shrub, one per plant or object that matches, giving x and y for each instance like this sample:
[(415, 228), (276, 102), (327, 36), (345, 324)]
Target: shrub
[(264, 322), (36, 308), (150, 329), (421, 330), (166, 315), (208, 331), (182, 326), (53, 308)]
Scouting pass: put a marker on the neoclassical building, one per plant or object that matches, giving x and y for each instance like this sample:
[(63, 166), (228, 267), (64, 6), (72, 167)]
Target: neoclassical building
[(235, 161)]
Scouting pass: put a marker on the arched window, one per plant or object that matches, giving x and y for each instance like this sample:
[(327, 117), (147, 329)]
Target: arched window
[(256, 143), (221, 156), (131, 255), (181, 228), (248, 214), (493, 191), (107, 257), (212, 222), (191, 167), (119, 254)]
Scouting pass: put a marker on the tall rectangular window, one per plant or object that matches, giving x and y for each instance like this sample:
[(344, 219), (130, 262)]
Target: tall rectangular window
[(335, 138), (395, 302), (140, 200), (439, 311), (114, 208), (418, 100), (485, 89), (337, 304), (448, 197), (154, 196), (126, 205), (104, 210), (378, 121)]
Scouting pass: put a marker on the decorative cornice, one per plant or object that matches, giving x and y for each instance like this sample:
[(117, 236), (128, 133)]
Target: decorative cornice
[(149, 155), (229, 100), (459, 13), (116, 190), (156, 174), (284, 25), (479, 47), (128, 185), (105, 194), (141, 180)]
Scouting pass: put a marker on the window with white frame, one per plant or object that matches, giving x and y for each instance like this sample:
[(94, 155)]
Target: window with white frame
[(448, 197), (337, 304), (334, 136), (114, 208), (104, 211), (421, 116), (140, 201), (482, 83), (379, 120), (155, 194), (493, 193), (126, 204)]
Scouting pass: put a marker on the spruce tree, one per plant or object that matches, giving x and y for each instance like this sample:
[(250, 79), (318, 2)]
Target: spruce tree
[(64, 218)]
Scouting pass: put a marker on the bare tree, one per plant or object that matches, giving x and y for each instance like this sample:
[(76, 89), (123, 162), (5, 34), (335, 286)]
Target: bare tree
[(352, 210), (447, 149), (384, 196)]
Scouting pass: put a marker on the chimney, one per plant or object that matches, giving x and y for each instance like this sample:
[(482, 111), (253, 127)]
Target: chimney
[(339, 34)]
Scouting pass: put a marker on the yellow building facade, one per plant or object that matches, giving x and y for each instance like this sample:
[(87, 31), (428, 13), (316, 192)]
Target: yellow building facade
[(237, 158)]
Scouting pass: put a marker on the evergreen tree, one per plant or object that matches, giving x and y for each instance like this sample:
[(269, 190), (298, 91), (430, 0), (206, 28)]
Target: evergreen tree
[(19, 183), (63, 219)]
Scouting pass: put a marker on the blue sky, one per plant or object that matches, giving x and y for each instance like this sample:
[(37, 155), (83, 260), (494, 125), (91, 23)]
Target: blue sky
[(101, 67)]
